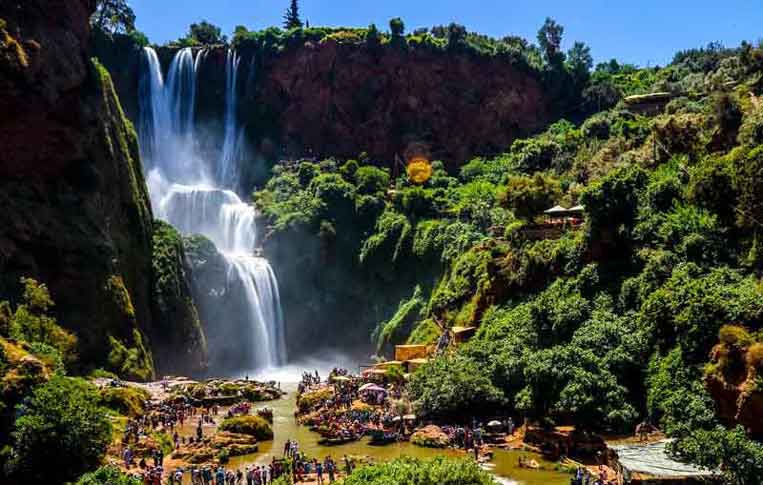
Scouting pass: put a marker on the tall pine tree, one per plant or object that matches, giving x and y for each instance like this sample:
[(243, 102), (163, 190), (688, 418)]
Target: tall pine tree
[(291, 19)]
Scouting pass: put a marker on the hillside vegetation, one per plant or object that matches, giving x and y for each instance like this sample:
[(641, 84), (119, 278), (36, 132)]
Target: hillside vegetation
[(601, 326)]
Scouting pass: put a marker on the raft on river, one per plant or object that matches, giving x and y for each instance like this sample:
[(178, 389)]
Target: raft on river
[(337, 441), (380, 437)]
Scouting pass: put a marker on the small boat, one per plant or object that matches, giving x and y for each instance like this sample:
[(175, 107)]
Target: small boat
[(266, 414), (380, 437), (339, 440)]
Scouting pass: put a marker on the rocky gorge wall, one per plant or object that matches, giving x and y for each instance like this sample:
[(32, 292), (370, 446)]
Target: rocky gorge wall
[(330, 99), (75, 209)]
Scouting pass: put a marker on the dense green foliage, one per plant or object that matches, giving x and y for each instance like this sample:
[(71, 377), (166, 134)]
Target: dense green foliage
[(453, 387), (108, 475), (127, 401), (61, 415), (31, 322), (113, 16), (411, 471), (601, 325)]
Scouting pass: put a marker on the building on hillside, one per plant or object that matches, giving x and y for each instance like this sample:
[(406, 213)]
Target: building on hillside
[(650, 464), (648, 104)]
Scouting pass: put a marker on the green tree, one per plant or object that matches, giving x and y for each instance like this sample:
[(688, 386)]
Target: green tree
[(113, 16), (550, 42), (613, 201), (749, 182), (371, 180), (397, 28), (206, 33), (453, 386), (456, 35), (31, 321), (373, 36), (528, 197), (579, 63), (63, 416), (291, 18)]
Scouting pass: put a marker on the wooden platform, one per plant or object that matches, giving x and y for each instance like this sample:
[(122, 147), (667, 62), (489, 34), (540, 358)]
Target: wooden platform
[(409, 352)]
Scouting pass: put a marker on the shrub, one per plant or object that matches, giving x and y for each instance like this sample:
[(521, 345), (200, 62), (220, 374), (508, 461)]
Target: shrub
[(371, 180), (452, 387), (755, 356), (108, 475), (60, 433), (31, 321), (130, 362), (250, 425), (734, 335), (310, 399), (413, 471), (528, 197), (129, 401), (394, 330)]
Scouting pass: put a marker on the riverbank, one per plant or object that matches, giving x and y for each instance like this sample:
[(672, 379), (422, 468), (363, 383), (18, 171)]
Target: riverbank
[(504, 463)]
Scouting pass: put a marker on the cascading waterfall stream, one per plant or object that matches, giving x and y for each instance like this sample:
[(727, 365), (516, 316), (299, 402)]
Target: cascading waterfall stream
[(231, 144), (185, 194)]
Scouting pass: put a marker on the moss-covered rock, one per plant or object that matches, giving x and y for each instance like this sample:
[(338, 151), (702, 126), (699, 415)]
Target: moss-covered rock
[(129, 401), (248, 425), (308, 400), (177, 334), (430, 437)]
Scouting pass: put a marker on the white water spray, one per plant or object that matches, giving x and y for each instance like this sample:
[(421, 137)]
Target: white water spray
[(184, 193)]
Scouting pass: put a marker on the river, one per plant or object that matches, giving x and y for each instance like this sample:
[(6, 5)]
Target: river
[(503, 465)]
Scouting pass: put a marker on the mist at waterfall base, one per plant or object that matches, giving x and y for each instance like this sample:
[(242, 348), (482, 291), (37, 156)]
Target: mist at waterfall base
[(193, 187)]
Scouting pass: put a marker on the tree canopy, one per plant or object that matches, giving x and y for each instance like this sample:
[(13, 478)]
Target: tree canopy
[(113, 16), (61, 415), (291, 19)]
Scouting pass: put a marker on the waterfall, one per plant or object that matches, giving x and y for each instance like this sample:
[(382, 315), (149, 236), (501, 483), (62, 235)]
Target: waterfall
[(184, 194), (181, 92), (231, 143), (167, 110)]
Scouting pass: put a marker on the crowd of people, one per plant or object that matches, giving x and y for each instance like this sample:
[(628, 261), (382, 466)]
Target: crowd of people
[(167, 416), (220, 475), (584, 476), (337, 419)]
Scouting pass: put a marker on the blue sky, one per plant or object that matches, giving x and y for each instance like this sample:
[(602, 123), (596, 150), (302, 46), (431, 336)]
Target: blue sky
[(644, 32)]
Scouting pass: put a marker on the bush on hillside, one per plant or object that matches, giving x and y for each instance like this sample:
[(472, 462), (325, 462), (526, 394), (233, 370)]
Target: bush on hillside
[(413, 471), (452, 387), (108, 475), (64, 416), (128, 401)]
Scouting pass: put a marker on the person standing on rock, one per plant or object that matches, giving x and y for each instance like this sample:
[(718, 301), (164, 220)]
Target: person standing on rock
[(319, 471), (330, 469), (127, 457), (220, 476)]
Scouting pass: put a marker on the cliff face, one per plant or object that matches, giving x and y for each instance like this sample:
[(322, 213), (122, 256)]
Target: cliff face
[(76, 213), (733, 379), (334, 99), (329, 99)]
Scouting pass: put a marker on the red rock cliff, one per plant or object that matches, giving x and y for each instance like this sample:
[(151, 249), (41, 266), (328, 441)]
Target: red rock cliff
[(335, 99)]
